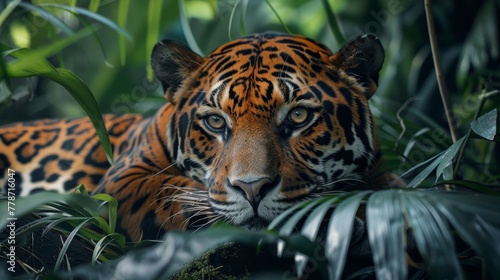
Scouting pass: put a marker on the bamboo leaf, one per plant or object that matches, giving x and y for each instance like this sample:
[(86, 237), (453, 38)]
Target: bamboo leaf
[(339, 233), (481, 235), (486, 125), (386, 234), (186, 28)]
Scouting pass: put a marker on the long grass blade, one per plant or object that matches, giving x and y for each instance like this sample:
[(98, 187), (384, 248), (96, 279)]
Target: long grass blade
[(48, 16), (67, 243), (339, 233), (154, 15), (92, 15), (123, 7), (103, 243), (94, 5)]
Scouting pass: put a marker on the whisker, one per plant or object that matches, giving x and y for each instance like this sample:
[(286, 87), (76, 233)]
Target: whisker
[(161, 171)]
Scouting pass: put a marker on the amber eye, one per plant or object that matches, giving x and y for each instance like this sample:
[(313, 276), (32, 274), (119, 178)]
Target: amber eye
[(215, 122), (299, 116)]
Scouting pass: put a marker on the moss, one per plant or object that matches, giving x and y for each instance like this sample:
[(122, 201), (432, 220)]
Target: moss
[(227, 263)]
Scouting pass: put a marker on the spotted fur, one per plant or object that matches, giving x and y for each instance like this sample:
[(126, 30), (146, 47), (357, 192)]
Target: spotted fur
[(260, 124)]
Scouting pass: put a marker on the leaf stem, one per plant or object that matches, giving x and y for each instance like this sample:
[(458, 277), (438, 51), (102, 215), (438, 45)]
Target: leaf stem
[(439, 72)]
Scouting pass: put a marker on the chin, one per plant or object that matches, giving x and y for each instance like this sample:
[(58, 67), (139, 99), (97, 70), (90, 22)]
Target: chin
[(256, 224)]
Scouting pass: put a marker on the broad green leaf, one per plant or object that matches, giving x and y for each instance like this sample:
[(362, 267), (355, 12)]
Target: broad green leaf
[(94, 5), (432, 235), (339, 233), (486, 125), (8, 10), (334, 23), (154, 15), (66, 244), (311, 227), (76, 87), (446, 160), (386, 234), (186, 28), (279, 18)]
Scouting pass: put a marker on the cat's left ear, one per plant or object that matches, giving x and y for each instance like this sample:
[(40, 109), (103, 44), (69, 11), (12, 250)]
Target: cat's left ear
[(362, 58)]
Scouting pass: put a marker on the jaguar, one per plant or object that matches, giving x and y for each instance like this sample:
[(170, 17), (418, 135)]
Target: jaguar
[(260, 124)]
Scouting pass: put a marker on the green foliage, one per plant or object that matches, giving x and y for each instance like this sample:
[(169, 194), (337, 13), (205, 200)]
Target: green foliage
[(29, 63), (449, 217), (69, 215)]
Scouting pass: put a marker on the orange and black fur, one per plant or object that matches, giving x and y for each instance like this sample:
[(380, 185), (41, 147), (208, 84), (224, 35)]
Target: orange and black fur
[(260, 124)]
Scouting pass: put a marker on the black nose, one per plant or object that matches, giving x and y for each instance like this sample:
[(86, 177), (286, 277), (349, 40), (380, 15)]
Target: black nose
[(254, 191)]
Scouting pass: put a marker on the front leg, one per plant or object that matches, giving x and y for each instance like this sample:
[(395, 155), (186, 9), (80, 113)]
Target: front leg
[(152, 202)]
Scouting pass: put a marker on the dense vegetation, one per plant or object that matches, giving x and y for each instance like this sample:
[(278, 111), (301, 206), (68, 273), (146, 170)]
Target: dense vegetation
[(450, 208)]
